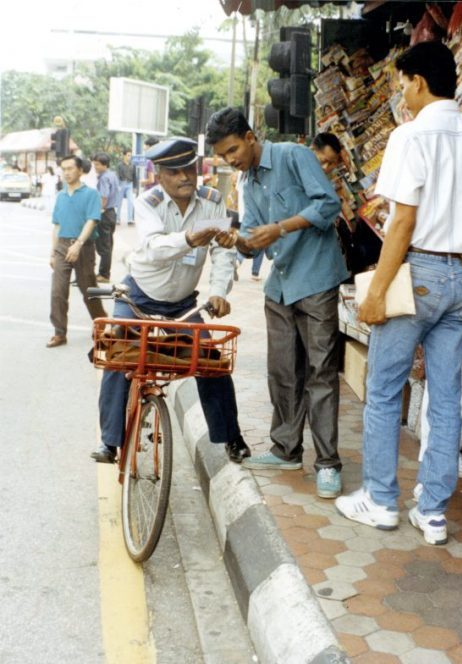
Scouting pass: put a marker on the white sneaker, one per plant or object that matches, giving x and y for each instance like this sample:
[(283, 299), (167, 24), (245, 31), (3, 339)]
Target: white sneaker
[(417, 492), (433, 526), (359, 506)]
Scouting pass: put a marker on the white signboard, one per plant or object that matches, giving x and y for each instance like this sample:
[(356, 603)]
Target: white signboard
[(138, 107)]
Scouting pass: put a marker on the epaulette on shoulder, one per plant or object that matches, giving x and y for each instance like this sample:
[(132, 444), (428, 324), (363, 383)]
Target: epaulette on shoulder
[(210, 194), (154, 197)]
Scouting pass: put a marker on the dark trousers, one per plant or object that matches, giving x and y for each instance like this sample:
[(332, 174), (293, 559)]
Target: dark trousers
[(303, 376), (217, 395), (105, 242), (60, 282)]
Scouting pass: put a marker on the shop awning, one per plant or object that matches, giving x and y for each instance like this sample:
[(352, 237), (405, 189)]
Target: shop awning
[(32, 140)]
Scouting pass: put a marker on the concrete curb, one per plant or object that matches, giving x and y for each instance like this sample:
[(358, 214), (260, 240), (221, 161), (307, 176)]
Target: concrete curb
[(285, 621)]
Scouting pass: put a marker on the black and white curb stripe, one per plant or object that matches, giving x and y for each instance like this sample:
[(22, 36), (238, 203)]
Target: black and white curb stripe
[(285, 621)]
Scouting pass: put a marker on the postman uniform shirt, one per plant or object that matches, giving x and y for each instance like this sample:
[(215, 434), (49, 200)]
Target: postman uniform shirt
[(164, 266), (290, 181), (422, 166), (72, 212)]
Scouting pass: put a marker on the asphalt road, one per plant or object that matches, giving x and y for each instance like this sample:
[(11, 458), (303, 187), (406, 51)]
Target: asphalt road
[(68, 592)]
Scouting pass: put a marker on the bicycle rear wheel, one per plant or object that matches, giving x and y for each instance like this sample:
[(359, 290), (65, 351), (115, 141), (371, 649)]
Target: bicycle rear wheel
[(147, 479)]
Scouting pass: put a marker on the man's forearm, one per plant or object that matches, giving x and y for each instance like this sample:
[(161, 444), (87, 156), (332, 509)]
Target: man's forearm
[(395, 247), (86, 231)]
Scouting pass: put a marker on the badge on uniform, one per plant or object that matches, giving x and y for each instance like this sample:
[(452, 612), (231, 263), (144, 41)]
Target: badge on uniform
[(190, 258)]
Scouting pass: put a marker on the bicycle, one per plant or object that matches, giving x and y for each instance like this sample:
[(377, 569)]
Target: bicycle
[(153, 351)]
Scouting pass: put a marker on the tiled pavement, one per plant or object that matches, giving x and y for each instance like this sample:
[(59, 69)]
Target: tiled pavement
[(390, 597)]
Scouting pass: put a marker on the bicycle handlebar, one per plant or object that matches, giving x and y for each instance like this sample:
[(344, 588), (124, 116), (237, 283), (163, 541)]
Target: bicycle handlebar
[(120, 292)]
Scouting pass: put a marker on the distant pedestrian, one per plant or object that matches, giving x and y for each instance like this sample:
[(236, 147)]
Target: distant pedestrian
[(76, 215), (126, 172), (149, 179), (49, 183), (108, 187)]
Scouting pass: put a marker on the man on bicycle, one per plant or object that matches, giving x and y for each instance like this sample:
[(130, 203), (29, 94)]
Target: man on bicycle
[(164, 272)]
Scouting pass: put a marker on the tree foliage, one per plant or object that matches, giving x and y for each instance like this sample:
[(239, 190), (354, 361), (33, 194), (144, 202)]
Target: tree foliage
[(31, 100)]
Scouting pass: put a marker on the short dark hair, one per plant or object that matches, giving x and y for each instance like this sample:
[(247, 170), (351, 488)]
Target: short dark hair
[(150, 140), (77, 160), (102, 157), (435, 63), (225, 123), (325, 139), (126, 150)]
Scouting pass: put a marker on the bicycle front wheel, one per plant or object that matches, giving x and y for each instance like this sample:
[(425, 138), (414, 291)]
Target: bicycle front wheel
[(147, 479)]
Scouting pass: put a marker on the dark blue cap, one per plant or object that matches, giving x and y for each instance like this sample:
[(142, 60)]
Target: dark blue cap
[(173, 153)]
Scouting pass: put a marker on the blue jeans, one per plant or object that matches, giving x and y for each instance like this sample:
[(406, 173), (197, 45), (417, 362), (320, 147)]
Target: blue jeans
[(216, 394), (126, 191), (438, 326)]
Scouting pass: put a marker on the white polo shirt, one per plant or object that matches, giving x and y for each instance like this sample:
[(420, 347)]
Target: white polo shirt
[(422, 166)]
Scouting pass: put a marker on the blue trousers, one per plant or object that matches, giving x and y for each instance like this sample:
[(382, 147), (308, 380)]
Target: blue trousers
[(217, 395), (437, 325)]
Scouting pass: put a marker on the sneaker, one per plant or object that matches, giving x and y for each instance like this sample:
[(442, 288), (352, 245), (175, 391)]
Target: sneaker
[(255, 277), (102, 280), (359, 506), (328, 483), (433, 526), (417, 492), (269, 461)]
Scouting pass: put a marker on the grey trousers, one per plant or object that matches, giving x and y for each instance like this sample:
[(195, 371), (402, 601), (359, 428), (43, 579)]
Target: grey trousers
[(60, 281), (303, 376)]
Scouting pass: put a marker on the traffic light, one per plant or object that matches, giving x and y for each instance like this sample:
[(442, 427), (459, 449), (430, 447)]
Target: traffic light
[(198, 115), (290, 93), (60, 142)]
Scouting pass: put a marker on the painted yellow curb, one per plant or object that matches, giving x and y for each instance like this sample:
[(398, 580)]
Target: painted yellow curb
[(124, 614)]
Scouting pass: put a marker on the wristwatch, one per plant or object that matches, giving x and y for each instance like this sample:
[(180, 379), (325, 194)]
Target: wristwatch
[(282, 231)]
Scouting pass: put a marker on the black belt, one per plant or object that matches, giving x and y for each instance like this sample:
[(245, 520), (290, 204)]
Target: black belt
[(445, 254)]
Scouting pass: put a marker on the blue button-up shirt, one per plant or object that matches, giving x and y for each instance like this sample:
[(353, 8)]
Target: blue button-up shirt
[(289, 181)]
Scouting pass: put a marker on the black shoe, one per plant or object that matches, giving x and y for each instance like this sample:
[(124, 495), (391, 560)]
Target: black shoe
[(237, 450), (105, 454)]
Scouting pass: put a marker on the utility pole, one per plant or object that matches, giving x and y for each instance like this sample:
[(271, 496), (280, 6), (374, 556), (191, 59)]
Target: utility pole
[(233, 63), (254, 76)]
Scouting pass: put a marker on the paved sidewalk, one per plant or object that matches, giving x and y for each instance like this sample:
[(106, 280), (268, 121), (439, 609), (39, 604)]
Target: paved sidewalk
[(389, 597)]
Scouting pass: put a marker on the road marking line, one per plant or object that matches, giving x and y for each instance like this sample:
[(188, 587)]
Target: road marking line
[(124, 614)]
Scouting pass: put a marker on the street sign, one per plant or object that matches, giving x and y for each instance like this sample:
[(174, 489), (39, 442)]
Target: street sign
[(138, 107)]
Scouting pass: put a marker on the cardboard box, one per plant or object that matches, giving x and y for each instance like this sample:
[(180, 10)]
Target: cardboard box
[(355, 368)]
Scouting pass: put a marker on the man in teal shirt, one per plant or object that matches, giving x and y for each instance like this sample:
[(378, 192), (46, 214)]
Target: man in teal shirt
[(75, 216), (289, 210)]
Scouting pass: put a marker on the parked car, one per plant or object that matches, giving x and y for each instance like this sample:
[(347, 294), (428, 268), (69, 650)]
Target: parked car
[(15, 186)]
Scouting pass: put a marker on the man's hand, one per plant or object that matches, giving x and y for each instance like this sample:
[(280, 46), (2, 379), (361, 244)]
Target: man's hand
[(73, 252), (201, 238), (263, 236), (372, 310), (220, 306), (52, 261), (227, 239)]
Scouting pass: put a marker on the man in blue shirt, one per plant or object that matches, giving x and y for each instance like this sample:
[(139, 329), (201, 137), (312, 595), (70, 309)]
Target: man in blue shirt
[(108, 187), (289, 211), (75, 216)]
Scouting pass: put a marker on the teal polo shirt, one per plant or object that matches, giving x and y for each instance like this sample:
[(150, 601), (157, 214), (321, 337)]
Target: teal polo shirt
[(71, 212), (289, 181)]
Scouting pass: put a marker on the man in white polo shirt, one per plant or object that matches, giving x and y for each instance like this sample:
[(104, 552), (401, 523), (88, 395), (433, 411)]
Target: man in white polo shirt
[(421, 175)]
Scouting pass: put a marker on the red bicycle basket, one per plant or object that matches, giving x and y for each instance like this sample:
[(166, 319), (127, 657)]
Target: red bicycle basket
[(164, 350)]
